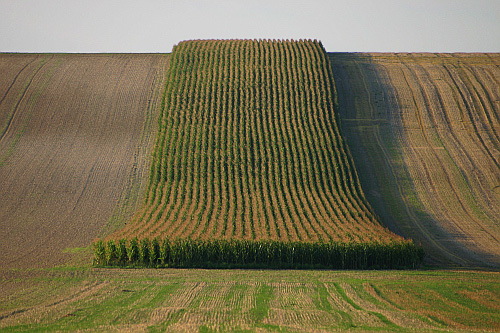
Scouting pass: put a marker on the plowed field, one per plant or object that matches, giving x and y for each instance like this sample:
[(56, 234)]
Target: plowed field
[(424, 130), (75, 139)]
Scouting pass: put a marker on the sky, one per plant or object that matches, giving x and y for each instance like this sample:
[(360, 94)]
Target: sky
[(155, 26)]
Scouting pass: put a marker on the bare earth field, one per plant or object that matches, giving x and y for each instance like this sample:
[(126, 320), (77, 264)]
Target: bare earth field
[(75, 139), (424, 130)]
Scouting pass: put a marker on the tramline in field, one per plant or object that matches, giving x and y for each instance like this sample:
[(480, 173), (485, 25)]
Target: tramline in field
[(249, 149)]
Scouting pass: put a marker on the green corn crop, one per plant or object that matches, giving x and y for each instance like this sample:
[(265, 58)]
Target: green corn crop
[(269, 254)]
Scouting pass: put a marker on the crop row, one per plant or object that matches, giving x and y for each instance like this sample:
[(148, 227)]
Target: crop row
[(266, 253), (249, 148)]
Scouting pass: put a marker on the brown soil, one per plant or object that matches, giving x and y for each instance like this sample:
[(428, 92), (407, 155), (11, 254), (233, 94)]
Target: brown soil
[(75, 138)]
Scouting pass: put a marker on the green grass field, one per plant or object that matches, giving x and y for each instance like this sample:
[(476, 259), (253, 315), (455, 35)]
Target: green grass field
[(238, 300)]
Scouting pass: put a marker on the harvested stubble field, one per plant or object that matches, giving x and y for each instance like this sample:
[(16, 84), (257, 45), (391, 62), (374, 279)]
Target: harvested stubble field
[(76, 133), (176, 300), (424, 130)]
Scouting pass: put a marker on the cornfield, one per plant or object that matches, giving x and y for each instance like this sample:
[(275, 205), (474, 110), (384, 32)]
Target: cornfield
[(249, 148), (257, 254)]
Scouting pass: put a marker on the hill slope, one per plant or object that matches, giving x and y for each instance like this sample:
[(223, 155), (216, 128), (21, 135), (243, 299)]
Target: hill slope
[(249, 148), (75, 136), (424, 130), (76, 133)]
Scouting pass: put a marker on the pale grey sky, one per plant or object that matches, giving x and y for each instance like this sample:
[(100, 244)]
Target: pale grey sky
[(342, 26)]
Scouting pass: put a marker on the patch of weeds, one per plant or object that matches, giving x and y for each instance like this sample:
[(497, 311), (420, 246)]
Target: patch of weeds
[(262, 299)]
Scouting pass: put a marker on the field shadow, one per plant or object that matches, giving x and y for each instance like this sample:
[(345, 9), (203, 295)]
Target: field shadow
[(368, 108)]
